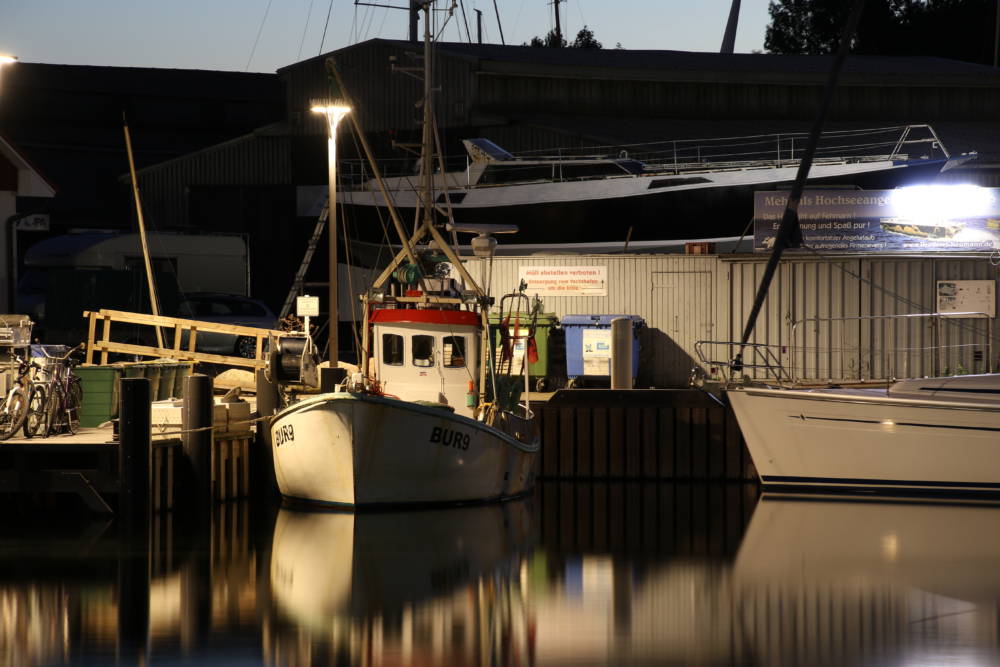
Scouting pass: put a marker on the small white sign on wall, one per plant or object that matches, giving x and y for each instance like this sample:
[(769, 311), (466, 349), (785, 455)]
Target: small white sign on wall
[(565, 280), (959, 297), (597, 351)]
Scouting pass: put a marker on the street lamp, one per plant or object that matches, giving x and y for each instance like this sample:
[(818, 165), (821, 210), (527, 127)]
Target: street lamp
[(334, 114), (6, 60)]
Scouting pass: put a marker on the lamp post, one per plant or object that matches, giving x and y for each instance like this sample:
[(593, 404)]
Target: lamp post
[(6, 60), (334, 113)]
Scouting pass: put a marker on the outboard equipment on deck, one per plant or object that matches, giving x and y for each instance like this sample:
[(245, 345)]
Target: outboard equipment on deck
[(294, 361)]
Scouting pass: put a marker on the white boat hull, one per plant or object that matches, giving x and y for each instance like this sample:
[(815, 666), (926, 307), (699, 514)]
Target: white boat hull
[(357, 449), (861, 441)]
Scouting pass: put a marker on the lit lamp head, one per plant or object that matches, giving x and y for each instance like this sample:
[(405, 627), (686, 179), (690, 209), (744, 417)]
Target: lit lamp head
[(483, 244), (334, 110), (7, 60)]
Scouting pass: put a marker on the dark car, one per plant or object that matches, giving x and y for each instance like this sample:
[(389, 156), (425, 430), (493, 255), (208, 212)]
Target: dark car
[(226, 309)]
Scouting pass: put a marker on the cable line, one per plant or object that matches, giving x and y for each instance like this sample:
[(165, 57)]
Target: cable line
[(259, 31)]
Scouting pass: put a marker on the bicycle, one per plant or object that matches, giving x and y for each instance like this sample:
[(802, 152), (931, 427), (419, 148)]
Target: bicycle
[(14, 409), (54, 405)]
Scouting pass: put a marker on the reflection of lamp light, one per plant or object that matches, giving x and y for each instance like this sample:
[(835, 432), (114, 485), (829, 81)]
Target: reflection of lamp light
[(932, 203), (334, 113)]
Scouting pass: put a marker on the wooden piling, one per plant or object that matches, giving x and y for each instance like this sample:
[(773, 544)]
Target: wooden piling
[(262, 459), (134, 452), (196, 422), (641, 435)]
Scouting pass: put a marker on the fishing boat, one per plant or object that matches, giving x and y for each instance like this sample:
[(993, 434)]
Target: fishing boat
[(935, 436), (426, 419), (668, 189)]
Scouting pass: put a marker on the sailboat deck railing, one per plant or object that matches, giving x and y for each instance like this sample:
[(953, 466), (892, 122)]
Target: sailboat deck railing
[(859, 350), (764, 151)]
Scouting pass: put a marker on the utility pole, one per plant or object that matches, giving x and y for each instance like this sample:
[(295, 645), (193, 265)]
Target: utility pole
[(414, 17), (555, 5)]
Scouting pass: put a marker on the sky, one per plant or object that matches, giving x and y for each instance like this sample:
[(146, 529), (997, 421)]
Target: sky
[(265, 35)]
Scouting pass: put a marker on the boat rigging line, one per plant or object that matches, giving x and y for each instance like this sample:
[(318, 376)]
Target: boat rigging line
[(789, 234), (253, 49), (326, 25), (305, 28)]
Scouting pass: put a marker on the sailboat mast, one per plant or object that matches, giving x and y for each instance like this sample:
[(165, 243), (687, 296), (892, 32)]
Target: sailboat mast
[(427, 141)]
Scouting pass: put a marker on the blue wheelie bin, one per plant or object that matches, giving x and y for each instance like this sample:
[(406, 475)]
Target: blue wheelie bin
[(588, 347)]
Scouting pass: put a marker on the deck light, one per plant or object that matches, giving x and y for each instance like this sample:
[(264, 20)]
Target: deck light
[(7, 60)]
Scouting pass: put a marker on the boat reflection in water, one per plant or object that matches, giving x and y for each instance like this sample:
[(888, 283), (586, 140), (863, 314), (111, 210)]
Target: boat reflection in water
[(819, 582), (416, 587)]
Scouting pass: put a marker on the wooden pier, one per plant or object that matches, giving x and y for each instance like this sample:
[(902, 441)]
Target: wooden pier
[(641, 434), (142, 468)]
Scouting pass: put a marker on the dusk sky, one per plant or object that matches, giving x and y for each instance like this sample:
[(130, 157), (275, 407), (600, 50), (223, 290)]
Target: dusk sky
[(223, 34)]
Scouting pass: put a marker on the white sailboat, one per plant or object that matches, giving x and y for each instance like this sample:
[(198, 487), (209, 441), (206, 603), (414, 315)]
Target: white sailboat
[(425, 420), (935, 436)]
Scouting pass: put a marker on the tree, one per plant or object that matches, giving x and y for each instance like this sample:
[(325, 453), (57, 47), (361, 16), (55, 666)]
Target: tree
[(959, 29), (584, 40)]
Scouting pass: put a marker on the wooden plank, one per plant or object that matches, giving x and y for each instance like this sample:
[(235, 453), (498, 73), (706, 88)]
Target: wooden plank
[(584, 516), (616, 516), (105, 337), (106, 347), (649, 465), (633, 442), (584, 444), (567, 443), (616, 444), (164, 321), (567, 509), (651, 525), (550, 436), (600, 517), (699, 444), (667, 442), (682, 444), (716, 443), (600, 443), (91, 331)]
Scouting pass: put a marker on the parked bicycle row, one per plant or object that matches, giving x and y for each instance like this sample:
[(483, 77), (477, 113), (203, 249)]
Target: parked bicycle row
[(44, 396)]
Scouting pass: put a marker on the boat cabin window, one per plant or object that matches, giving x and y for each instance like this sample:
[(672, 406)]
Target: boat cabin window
[(454, 351), (392, 349), (422, 350)]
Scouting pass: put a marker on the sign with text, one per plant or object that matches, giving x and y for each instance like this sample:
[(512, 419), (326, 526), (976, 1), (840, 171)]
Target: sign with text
[(968, 298), (307, 306), (565, 280), (944, 218)]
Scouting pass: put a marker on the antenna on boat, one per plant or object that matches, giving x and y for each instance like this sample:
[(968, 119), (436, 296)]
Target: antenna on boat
[(789, 234), (729, 39)]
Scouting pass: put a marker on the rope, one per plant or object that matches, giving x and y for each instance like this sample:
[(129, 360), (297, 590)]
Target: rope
[(209, 428)]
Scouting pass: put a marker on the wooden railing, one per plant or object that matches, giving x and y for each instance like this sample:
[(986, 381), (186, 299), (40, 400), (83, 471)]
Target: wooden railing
[(182, 347)]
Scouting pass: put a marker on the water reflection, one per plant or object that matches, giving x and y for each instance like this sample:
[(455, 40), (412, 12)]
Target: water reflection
[(581, 574), (430, 587)]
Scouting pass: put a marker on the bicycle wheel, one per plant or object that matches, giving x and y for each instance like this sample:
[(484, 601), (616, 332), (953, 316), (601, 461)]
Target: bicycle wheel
[(74, 401), (35, 419), (55, 415), (14, 410)]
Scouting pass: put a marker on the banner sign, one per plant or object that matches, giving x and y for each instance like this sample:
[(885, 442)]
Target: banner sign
[(565, 280), (944, 218)]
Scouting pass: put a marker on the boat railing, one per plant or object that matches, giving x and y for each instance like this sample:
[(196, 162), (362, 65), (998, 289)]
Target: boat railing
[(763, 151), (868, 349)]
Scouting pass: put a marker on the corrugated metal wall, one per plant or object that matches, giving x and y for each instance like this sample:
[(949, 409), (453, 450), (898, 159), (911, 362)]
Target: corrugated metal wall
[(253, 160), (816, 319)]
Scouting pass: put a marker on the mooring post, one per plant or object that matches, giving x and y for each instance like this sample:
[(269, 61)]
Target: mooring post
[(196, 422), (262, 459), (134, 453), (134, 503), (621, 353)]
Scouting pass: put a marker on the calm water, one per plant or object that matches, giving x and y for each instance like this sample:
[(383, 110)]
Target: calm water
[(580, 574)]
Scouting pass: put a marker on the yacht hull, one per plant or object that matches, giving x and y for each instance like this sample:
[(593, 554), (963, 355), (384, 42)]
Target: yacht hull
[(356, 449), (864, 442), (605, 209)]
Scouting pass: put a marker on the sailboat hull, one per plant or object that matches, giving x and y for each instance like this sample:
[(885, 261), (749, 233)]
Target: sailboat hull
[(865, 442), (356, 449)]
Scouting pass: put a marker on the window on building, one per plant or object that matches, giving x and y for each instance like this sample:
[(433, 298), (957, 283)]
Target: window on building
[(454, 351), (423, 350), (392, 349)]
